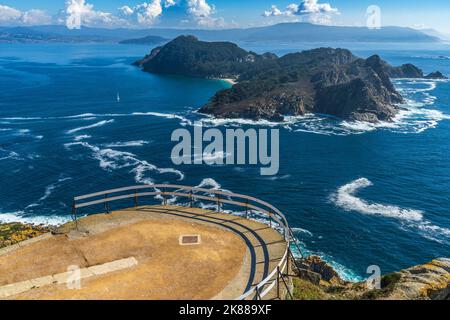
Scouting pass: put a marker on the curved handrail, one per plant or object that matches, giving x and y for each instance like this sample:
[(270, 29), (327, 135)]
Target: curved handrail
[(217, 196)]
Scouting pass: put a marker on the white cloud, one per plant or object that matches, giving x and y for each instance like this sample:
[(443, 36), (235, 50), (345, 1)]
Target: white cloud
[(80, 13), (312, 6), (12, 16), (169, 3), (273, 12), (36, 17), (8, 14), (202, 13), (312, 10), (126, 11), (147, 13)]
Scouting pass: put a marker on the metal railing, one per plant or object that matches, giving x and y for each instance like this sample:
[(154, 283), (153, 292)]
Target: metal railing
[(276, 219)]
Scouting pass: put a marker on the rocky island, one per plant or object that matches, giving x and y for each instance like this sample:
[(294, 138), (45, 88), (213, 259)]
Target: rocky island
[(324, 81)]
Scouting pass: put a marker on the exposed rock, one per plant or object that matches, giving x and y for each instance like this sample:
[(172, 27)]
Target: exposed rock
[(436, 75), (325, 80), (405, 71), (428, 281), (314, 269)]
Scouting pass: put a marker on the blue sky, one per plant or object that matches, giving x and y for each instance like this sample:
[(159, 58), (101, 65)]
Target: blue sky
[(226, 13)]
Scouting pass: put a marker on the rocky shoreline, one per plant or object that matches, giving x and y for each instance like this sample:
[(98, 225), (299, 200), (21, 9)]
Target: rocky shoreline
[(318, 280), (323, 81)]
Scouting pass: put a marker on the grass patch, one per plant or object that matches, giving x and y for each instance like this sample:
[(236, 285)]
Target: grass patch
[(388, 283), (305, 290)]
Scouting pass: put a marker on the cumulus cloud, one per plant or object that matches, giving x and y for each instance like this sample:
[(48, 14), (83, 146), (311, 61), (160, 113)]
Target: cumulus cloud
[(312, 10), (202, 13), (273, 12), (169, 3), (79, 13), (12, 16)]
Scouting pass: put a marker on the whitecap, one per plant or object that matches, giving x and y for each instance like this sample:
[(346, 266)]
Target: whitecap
[(94, 125), (82, 137), (110, 159), (48, 191), (346, 198), (21, 217), (6, 154), (137, 143), (301, 230)]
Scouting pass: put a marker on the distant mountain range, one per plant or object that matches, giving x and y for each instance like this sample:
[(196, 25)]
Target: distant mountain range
[(284, 32), (149, 40)]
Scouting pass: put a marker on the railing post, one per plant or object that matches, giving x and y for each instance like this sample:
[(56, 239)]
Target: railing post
[(246, 209), (164, 197), (74, 211), (258, 295), (107, 205), (218, 203), (270, 219), (135, 200), (191, 199), (278, 282), (287, 261)]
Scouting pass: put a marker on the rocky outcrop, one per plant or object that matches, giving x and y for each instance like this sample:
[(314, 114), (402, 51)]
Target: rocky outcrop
[(405, 71), (430, 281), (436, 75), (316, 270), (325, 80)]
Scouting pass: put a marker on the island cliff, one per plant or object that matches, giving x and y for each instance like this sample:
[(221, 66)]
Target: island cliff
[(325, 81), (317, 280)]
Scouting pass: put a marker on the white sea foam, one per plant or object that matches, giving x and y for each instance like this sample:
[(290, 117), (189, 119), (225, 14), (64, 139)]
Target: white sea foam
[(110, 159), (21, 217), (82, 137), (48, 191), (7, 154), (137, 143), (94, 125), (347, 199), (301, 230)]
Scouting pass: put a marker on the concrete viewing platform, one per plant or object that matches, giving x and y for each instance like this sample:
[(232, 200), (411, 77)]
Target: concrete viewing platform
[(149, 252)]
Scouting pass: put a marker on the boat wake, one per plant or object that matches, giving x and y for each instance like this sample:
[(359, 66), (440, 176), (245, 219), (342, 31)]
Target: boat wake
[(346, 198)]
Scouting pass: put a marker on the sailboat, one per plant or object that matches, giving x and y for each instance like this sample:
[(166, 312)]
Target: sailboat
[(118, 97)]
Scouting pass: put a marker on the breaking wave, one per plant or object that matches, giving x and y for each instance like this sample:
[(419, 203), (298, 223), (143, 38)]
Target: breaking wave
[(95, 125), (48, 192), (137, 143), (346, 198), (21, 217), (6, 154)]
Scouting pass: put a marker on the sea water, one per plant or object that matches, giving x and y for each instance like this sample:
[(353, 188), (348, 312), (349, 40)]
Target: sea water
[(356, 194)]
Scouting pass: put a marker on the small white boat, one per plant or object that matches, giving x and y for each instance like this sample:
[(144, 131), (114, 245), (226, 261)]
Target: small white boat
[(118, 97)]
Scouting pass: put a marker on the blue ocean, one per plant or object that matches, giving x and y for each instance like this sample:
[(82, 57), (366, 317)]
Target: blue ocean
[(356, 194)]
